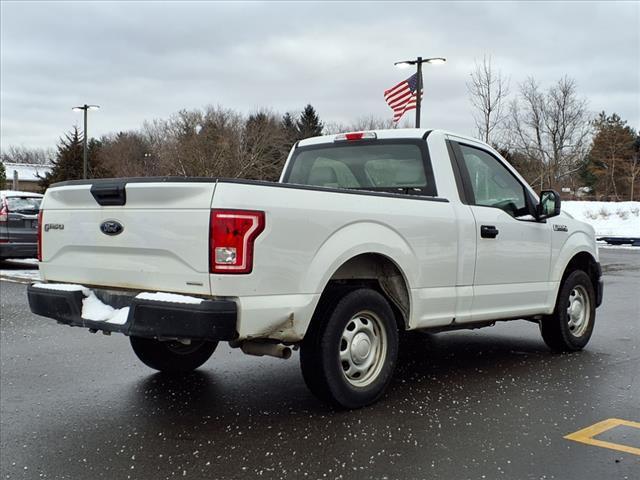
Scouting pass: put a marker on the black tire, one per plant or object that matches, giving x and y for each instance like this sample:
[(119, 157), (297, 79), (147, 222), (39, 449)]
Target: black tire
[(172, 356), (559, 330), (374, 337)]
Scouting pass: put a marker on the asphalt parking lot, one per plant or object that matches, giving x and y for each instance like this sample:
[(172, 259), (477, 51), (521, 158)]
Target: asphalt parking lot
[(486, 404)]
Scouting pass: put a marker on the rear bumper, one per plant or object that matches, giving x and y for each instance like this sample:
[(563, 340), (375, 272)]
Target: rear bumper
[(208, 320), (18, 250)]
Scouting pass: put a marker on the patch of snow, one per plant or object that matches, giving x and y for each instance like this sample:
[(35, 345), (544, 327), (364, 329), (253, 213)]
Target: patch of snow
[(63, 287), (609, 219), (24, 261), (168, 297), (119, 316), (94, 309), (21, 276)]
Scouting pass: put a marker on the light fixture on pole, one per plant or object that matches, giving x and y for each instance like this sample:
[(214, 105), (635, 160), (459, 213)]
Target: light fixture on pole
[(419, 61), (85, 107)]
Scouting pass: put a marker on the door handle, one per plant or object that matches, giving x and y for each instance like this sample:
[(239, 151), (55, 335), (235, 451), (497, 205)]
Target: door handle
[(488, 231)]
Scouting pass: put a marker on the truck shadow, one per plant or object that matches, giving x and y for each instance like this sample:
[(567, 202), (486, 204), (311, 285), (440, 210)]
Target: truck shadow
[(429, 366), (255, 412)]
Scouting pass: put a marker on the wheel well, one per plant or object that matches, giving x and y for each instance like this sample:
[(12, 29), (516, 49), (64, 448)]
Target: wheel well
[(585, 262), (376, 271)]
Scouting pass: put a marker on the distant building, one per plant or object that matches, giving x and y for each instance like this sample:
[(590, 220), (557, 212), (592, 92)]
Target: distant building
[(26, 175)]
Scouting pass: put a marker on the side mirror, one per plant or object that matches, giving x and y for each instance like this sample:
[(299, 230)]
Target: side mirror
[(549, 205)]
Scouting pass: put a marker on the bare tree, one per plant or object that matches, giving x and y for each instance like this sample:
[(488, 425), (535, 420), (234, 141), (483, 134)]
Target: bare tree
[(21, 154), (634, 173), (360, 124), (488, 90), (127, 154), (264, 147), (551, 128)]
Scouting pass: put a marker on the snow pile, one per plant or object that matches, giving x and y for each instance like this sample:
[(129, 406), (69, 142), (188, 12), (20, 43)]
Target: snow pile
[(63, 287), (609, 219), (168, 297), (94, 309), (20, 276)]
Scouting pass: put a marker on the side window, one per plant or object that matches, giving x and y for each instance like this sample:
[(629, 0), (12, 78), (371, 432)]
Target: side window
[(492, 183)]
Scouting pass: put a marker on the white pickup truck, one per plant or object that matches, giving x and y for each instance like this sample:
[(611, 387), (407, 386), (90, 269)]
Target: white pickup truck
[(366, 235)]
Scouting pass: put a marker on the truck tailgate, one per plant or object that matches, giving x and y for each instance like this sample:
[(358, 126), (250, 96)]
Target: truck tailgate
[(163, 242)]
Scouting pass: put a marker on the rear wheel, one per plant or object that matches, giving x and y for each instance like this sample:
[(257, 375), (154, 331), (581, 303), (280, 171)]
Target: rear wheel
[(349, 353), (570, 326), (172, 356)]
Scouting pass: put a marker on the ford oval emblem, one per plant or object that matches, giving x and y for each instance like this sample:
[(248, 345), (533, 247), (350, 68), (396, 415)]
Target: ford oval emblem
[(111, 227)]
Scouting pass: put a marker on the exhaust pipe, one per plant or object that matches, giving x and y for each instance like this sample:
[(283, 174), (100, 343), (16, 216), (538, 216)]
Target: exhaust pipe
[(260, 348)]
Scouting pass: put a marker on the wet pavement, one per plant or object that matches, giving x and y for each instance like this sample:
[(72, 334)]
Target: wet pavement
[(492, 403)]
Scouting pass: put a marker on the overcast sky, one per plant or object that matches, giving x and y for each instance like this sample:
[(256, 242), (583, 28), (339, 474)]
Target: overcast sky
[(147, 60)]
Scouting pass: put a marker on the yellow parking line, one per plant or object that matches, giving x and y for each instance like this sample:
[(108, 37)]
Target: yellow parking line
[(586, 435)]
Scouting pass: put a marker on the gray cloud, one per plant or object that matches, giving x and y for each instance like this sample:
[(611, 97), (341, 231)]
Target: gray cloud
[(147, 60)]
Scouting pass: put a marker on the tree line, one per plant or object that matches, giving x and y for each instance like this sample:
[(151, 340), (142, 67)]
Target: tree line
[(552, 138), (213, 142), (548, 134)]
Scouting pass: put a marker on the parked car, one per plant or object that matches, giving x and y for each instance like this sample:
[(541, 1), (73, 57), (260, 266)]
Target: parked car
[(365, 235), (19, 224)]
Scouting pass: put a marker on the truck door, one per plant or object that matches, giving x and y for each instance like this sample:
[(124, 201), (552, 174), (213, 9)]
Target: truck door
[(513, 250)]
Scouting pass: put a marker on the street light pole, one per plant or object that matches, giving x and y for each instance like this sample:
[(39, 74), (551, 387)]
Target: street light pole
[(418, 62), (84, 145), (85, 163), (418, 96)]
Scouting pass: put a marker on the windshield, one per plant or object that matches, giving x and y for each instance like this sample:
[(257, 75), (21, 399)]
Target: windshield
[(27, 205), (393, 167)]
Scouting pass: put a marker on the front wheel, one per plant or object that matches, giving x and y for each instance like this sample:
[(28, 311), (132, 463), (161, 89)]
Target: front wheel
[(172, 356), (570, 326), (349, 353)]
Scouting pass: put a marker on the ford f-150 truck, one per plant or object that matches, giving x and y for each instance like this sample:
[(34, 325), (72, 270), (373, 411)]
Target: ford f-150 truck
[(366, 235)]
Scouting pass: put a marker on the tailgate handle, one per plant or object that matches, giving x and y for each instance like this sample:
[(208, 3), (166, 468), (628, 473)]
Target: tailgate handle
[(107, 194)]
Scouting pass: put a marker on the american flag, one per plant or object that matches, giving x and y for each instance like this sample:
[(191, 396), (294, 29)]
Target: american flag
[(402, 97)]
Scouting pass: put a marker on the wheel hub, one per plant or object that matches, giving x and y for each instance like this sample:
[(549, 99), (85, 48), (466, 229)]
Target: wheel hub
[(363, 348), (578, 311), (360, 348)]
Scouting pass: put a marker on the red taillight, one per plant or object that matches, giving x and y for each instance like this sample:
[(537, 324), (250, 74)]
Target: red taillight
[(4, 211), (232, 233), (349, 137), (354, 136), (40, 236)]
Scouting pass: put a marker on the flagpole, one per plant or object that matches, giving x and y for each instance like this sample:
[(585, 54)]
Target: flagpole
[(419, 89), (418, 62)]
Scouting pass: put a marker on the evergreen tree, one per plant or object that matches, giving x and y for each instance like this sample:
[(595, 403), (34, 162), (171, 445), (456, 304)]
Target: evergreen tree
[(289, 129), (68, 164), (610, 156), (309, 125)]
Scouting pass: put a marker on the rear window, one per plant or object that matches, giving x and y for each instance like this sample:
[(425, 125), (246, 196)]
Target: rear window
[(391, 167), (23, 204)]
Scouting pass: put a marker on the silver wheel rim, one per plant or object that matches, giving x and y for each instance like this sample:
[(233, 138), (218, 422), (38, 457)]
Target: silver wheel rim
[(578, 311), (363, 348)]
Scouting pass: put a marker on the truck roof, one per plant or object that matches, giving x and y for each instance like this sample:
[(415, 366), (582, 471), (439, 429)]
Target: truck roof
[(383, 134)]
